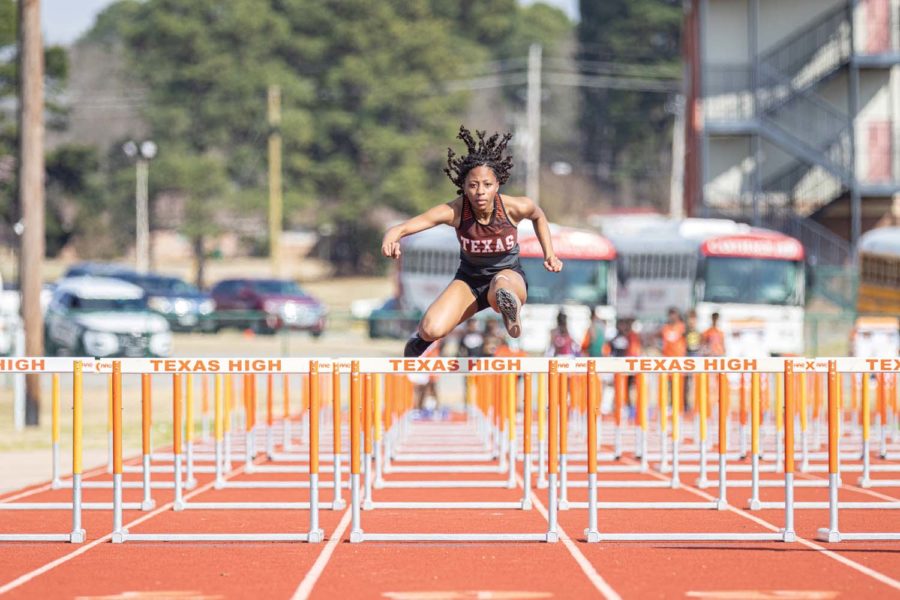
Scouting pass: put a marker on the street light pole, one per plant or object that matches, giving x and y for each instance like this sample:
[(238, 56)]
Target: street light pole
[(142, 234), (143, 153)]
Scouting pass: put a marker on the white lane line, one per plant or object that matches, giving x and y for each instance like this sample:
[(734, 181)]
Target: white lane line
[(889, 581), (312, 576), (602, 586), (67, 557), (98, 470)]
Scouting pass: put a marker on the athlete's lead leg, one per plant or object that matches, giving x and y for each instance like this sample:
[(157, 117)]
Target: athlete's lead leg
[(506, 296)]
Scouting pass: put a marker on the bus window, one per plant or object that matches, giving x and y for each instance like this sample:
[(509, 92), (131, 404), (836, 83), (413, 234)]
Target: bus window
[(581, 282), (751, 281)]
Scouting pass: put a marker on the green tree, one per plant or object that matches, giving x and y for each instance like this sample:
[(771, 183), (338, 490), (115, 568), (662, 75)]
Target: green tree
[(364, 121), (201, 181), (624, 130)]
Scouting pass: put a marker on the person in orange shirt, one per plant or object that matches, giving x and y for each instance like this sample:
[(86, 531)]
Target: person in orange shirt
[(634, 340), (713, 339), (673, 335)]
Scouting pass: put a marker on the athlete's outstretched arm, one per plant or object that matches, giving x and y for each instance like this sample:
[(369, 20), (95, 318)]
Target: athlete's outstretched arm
[(532, 211), (442, 214)]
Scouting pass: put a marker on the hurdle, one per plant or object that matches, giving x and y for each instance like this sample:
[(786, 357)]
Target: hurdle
[(623, 365), (832, 533), (140, 366), (502, 387), (56, 366), (505, 402)]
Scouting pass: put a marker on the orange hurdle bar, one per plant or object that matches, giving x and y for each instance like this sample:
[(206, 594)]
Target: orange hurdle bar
[(177, 438), (119, 532), (338, 502), (553, 462), (146, 414), (724, 393), (526, 437), (367, 441), (832, 534), (316, 534), (563, 440), (355, 415), (621, 391), (789, 389)]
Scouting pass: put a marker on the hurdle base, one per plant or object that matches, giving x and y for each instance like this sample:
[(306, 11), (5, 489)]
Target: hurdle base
[(542, 484), (190, 484), (754, 504), (148, 504), (378, 484), (356, 536), (864, 482), (368, 504), (788, 536), (119, 537), (563, 504), (339, 504), (453, 537), (552, 537), (315, 536), (78, 536), (832, 536), (178, 505), (592, 536), (526, 504), (702, 483), (56, 484), (722, 505)]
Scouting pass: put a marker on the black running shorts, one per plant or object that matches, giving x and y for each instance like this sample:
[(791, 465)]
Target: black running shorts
[(481, 283)]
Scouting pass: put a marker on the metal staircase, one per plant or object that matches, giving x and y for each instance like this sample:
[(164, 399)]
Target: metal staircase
[(791, 115)]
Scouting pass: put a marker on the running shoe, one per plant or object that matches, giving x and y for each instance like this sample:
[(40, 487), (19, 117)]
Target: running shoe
[(509, 306)]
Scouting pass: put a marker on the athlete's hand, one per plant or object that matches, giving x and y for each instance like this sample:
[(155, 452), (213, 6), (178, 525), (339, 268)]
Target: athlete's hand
[(553, 264), (390, 245)]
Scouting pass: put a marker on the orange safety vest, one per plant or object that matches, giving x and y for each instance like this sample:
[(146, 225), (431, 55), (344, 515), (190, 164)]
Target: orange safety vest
[(674, 343)]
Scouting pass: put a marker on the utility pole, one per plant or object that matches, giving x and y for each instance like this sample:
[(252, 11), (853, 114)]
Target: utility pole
[(533, 158), (676, 180), (275, 198), (31, 191)]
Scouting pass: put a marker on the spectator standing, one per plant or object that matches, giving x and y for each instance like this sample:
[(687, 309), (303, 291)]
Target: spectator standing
[(673, 335), (713, 339), (561, 342), (595, 336)]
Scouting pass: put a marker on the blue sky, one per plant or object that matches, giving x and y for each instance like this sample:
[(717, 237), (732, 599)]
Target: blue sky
[(65, 20)]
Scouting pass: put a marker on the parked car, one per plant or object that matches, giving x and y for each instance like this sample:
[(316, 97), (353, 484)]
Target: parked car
[(103, 317), (98, 269), (184, 306), (267, 305), (390, 321)]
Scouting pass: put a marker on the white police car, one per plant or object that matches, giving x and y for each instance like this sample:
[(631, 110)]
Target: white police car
[(101, 316)]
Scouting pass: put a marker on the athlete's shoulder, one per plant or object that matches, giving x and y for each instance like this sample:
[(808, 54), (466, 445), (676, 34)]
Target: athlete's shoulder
[(518, 207)]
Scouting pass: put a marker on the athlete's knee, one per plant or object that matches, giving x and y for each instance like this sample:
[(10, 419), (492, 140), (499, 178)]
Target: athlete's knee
[(432, 329)]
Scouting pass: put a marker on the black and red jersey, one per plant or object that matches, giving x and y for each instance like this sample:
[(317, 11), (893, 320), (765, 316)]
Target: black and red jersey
[(487, 248)]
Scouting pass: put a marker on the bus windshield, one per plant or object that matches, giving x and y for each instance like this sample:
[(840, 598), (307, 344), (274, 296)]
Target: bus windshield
[(751, 281), (580, 281)]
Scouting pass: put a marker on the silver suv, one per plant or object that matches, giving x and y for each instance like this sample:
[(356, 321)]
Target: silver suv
[(101, 316)]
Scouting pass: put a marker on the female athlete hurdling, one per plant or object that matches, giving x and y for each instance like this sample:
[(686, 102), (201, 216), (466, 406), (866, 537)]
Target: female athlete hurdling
[(489, 273)]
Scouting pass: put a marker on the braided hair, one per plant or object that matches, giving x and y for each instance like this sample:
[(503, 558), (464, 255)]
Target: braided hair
[(481, 152)]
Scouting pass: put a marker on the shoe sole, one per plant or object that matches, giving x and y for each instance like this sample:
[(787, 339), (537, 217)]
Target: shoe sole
[(509, 308)]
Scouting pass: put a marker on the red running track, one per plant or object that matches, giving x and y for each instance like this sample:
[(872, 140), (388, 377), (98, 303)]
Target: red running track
[(432, 570)]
